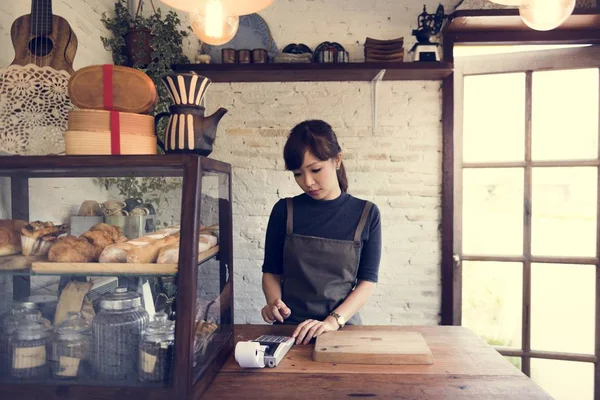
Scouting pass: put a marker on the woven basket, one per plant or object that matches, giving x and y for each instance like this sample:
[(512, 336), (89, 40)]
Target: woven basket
[(99, 121), (88, 143)]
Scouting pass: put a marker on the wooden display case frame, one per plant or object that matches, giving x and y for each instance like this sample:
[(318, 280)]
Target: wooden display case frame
[(187, 382)]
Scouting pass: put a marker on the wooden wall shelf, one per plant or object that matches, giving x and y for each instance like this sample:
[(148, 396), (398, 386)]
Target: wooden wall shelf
[(316, 72), (509, 20)]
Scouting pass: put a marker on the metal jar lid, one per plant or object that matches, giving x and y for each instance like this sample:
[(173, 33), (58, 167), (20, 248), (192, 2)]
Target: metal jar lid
[(160, 330), (121, 299)]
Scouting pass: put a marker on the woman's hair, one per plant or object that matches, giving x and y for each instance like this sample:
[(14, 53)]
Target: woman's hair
[(317, 137)]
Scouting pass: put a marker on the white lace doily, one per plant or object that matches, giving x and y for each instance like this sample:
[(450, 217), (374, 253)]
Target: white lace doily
[(34, 108)]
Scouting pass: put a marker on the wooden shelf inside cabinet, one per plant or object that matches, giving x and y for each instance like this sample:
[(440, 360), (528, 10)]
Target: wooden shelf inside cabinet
[(41, 266), (317, 72)]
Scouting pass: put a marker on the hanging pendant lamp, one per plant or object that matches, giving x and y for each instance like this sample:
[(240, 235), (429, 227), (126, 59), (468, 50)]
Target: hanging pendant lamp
[(231, 7), (507, 2), (545, 15), (212, 26)]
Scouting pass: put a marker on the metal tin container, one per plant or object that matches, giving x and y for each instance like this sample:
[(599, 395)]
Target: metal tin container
[(156, 350), (116, 334), (30, 347), (70, 346)]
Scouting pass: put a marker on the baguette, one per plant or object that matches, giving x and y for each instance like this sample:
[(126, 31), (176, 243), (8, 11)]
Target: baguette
[(170, 254), (149, 252)]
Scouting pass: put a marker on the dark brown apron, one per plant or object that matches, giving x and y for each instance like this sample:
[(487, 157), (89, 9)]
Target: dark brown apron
[(319, 273)]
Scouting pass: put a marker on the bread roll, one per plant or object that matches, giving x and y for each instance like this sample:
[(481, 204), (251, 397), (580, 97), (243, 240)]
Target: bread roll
[(71, 249), (10, 236), (170, 254), (149, 252)]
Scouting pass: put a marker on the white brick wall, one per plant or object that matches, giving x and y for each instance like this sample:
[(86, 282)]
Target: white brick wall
[(398, 165)]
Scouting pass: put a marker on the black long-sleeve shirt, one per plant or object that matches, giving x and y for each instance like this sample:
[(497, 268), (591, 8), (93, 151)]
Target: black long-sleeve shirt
[(331, 219)]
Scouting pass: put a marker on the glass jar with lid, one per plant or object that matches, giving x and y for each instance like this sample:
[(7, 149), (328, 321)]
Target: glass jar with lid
[(70, 346), (116, 334), (156, 349), (8, 328), (30, 346)]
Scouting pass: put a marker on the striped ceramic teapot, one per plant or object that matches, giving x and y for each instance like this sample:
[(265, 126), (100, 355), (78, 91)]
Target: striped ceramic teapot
[(188, 130)]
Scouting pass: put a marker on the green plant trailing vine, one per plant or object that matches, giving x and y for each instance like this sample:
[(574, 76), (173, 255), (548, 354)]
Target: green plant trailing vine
[(166, 42)]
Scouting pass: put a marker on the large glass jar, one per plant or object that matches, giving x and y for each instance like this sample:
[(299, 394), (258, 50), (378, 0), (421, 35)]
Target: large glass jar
[(30, 347), (70, 347), (116, 334), (156, 349), (8, 329)]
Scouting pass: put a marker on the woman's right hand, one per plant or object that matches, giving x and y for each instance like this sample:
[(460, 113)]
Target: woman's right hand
[(275, 311)]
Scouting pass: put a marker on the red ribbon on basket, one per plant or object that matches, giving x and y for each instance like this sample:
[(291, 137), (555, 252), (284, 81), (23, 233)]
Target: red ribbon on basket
[(115, 126)]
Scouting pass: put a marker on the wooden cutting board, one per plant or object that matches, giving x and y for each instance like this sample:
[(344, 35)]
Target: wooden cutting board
[(373, 347)]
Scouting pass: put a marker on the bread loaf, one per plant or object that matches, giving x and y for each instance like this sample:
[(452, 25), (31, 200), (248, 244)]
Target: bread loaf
[(10, 236), (115, 253), (149, 252), (170, 254), (71, 249)]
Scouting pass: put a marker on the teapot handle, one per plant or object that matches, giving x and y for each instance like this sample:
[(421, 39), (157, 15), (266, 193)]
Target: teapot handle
[(157, 119)]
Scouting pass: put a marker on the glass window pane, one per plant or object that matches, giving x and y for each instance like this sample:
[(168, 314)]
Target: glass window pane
[(214, 289), (494, 117), (564, 211), (563, 301), (492, 301), (492, 211), (565, 114), (564, 380)]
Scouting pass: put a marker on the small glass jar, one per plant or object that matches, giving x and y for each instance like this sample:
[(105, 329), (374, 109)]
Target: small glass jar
[(70, 347), (30, 347), (9, 328), (156, 350), (116, 334)]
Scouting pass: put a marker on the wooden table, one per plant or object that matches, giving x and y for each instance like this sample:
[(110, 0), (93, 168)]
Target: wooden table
[(464, 367)]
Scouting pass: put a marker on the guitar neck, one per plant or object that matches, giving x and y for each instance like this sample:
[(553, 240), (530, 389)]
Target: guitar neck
[(41, 17)]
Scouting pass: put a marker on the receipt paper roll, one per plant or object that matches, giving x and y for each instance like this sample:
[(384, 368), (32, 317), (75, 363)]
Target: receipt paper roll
[(250, 354)]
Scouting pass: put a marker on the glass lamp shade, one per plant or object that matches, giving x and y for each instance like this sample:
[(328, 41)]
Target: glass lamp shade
[(544, 15), (214, 28), (507, 2), (231, 7)]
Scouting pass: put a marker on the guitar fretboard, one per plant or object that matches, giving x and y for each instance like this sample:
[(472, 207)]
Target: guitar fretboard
[(41, 17)]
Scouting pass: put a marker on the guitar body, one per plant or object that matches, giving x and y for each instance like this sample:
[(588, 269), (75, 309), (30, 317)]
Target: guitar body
[(55, 49)]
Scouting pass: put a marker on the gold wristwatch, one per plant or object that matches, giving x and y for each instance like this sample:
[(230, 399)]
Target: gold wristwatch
[(339, 319)]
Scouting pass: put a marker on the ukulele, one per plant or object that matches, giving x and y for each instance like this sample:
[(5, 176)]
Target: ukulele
[(43, 39)]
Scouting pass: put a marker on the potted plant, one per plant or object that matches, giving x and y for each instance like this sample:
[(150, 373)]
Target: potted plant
[(160, 31)]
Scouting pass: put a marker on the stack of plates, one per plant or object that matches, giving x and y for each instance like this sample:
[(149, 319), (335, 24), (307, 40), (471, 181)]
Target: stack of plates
[(384, 50)]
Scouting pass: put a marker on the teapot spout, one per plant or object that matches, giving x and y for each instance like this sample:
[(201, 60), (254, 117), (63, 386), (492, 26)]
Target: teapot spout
[(216, 116)]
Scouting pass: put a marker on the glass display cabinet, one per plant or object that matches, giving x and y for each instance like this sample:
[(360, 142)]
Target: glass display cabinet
[(115, 276)]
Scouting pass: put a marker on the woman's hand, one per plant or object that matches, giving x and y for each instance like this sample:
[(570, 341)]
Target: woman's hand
[(311, 328), (275, 311)]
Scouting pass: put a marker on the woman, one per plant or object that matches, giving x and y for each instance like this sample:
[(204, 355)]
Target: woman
[(323, 247)]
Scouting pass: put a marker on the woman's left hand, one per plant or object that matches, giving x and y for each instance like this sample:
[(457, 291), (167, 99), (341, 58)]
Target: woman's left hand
[(311, 328)]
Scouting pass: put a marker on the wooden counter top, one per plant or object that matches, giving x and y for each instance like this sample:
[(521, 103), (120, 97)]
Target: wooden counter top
[(464, 367)]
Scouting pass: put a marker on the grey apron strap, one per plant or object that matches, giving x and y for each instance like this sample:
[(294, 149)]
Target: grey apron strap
[(362, 222), (290, 216)]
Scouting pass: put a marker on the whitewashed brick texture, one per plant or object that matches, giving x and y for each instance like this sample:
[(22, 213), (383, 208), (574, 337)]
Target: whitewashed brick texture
[(396, 164)]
